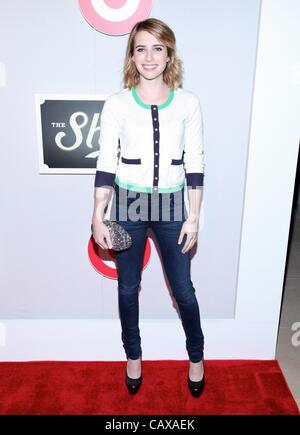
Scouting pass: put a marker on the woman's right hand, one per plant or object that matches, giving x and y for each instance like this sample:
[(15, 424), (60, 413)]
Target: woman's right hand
[(101, 234)]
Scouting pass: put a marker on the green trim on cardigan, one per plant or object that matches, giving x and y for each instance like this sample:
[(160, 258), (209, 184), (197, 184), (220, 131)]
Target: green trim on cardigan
[(148, 106), (138, 188)]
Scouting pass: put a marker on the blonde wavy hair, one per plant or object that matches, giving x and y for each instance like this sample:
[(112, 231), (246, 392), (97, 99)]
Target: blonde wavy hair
[(173, 72)]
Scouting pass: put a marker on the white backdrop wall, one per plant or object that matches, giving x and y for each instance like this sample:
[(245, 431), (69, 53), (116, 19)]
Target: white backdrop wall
[(237, 270), (48, 47)]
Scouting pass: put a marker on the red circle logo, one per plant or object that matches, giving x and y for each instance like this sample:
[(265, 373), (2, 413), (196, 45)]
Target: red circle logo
[(114, 17), (99, 258)]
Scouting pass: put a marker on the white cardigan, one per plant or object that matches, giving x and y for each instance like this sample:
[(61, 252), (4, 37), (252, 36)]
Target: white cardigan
[(151, 148)]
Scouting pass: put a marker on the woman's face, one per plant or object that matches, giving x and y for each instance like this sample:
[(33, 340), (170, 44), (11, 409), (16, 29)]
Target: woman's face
[(150, 55)]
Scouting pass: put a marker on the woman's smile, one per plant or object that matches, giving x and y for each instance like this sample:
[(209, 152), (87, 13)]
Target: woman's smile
[(149, 67)]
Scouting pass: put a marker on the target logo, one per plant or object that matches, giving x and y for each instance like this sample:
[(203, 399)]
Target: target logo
[(114, 17), (100, 262)]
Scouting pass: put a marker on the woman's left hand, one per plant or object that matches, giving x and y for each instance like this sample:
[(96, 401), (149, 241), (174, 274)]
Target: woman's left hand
[(190, 228)]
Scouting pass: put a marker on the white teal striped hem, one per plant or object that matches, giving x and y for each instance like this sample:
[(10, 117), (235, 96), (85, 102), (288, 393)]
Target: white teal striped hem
[(138, 188)]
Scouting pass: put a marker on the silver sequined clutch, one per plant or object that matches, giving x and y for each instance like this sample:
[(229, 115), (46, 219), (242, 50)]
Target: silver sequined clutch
[(120, 238)]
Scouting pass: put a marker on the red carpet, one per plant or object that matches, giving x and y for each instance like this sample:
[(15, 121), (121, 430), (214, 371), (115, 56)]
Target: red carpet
[(57, 387)]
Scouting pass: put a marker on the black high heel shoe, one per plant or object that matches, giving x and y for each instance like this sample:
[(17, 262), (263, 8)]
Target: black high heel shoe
[(133, 385), (196, 387)]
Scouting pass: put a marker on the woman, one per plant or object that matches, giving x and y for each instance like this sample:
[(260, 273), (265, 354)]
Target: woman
[(150, 144)]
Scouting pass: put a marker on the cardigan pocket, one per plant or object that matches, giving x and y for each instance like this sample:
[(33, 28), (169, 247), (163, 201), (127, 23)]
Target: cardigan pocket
[(131, 161), (177, 161), (176, 171)]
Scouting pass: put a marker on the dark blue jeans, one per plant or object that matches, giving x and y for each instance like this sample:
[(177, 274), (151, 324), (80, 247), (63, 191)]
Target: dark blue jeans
[(175, 263)]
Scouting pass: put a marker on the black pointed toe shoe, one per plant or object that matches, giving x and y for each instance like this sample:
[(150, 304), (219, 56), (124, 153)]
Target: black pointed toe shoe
[(133, 385), (196, 387)]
